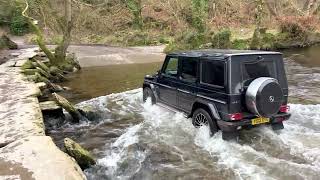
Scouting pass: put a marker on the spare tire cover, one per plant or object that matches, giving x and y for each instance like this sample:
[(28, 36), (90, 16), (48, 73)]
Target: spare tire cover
[(264, 96)]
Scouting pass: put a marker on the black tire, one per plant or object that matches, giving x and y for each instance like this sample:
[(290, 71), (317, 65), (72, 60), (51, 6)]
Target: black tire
[(198, 116), (147, 93)]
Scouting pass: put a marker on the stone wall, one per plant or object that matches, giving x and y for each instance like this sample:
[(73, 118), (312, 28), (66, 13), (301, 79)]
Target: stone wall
[(25, 151)]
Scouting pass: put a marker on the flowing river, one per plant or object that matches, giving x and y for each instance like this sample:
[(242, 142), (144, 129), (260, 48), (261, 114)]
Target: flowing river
[(135, 140)]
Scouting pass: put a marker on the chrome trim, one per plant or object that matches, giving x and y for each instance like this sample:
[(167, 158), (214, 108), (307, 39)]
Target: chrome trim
[(208, 98), (169, 87), (184, 91)]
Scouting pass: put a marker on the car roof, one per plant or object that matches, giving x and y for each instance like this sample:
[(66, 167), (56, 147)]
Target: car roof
[(220, 53)]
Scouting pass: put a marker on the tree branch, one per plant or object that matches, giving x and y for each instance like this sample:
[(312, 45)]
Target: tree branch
[(40, 38)]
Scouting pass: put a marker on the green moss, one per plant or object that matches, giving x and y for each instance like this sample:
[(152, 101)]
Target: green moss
[(27, 65), (82, 156)]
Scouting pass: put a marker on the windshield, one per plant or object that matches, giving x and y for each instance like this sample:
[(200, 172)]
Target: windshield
[(251, 71)]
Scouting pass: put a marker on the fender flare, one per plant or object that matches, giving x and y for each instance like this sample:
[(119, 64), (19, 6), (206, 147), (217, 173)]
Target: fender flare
[(212, 107)]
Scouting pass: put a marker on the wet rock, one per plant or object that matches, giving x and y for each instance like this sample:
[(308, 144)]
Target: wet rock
[(30, 72), (89, 112), (82, 156), (69, 107), (27, 65), (53, 114), (50, 106), (5, 42)]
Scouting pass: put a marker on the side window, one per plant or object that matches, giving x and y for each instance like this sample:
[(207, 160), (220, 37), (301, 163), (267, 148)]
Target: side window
[(172, 67), (213, 73), (189, 68)]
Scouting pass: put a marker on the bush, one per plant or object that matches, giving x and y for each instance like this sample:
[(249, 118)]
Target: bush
[(240, 44), (222, 39), (19, 25), (268, 41), (297, 26), (188, 40), (199, 14)]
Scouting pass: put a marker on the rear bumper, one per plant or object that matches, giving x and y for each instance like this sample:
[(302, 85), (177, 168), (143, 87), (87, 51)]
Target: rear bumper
[(229, 126)]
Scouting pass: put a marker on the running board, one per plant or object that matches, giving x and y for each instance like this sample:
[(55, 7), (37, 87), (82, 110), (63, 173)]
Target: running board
[(171, 109)]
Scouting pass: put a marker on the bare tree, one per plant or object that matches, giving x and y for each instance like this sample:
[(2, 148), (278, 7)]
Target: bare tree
[(57, 58)]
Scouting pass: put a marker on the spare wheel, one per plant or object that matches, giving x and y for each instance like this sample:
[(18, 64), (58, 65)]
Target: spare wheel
[(264, 97)]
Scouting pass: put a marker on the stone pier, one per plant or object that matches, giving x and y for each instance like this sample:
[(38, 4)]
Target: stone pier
[(25, 151)]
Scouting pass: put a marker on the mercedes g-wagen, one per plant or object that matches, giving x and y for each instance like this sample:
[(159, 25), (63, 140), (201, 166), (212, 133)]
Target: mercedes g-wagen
[(227, 90)]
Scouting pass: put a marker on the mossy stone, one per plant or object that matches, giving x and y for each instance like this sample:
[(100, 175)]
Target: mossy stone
[(5, 42), (82, 156)]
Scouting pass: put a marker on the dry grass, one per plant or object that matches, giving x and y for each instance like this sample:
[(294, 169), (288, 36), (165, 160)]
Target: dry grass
[(109, 21)]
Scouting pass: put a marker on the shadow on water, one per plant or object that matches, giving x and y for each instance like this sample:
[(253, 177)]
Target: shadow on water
[(135, 140)]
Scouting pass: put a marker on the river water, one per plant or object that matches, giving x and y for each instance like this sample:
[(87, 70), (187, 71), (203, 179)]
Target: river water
[(135, 140)]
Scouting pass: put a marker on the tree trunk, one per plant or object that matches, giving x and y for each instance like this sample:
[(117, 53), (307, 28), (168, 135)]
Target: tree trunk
[(61, 49)]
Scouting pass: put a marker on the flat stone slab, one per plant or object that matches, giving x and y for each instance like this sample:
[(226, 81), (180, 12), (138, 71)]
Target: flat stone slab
[(49, 106), (37, 157), (25, 151), (19, 63), (20, 114)]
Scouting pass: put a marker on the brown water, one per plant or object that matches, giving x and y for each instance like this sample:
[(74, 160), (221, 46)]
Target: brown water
[(135, 140), (98, 81)]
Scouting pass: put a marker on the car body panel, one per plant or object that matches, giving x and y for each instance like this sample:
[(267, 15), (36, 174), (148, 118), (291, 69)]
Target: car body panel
[(221, 100)]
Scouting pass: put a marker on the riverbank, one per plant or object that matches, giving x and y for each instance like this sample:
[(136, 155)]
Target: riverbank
[(103, 55), (25, 150)]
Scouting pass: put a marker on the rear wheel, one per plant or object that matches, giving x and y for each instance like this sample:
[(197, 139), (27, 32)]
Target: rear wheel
[(147, 93), (201, 117)]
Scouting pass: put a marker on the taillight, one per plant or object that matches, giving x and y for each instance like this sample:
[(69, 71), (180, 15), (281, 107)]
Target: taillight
[(284, 108), (235, 116)]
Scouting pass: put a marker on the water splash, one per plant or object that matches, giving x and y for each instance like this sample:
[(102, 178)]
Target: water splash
[(164, 144)]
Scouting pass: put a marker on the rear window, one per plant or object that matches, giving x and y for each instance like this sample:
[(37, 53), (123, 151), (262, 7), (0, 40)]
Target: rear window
[(213, 73), (251, 71)]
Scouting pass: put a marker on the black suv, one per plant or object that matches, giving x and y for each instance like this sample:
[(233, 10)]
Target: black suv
[(225, 89)]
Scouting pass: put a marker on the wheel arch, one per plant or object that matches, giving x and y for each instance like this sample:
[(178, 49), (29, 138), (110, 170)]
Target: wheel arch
[(145, 85), (208, 106)]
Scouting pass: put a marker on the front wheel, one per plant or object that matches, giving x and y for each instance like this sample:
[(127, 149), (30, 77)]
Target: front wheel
[(201, 117), (147, 93)]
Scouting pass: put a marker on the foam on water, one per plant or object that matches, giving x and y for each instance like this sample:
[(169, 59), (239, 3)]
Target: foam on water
[(261, 153)]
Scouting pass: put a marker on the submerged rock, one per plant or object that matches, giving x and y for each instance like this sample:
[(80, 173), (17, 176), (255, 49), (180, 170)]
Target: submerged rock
[(82, 156), (89, 112)]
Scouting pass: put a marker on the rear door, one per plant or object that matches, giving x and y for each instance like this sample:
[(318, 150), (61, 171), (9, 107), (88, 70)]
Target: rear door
[(188, 80), (168, 81)]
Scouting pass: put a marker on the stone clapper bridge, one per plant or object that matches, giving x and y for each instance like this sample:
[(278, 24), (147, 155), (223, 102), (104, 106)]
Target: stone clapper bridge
[(25, 151)]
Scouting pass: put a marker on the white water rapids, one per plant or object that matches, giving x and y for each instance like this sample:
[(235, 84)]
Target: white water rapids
[(155, 143)]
